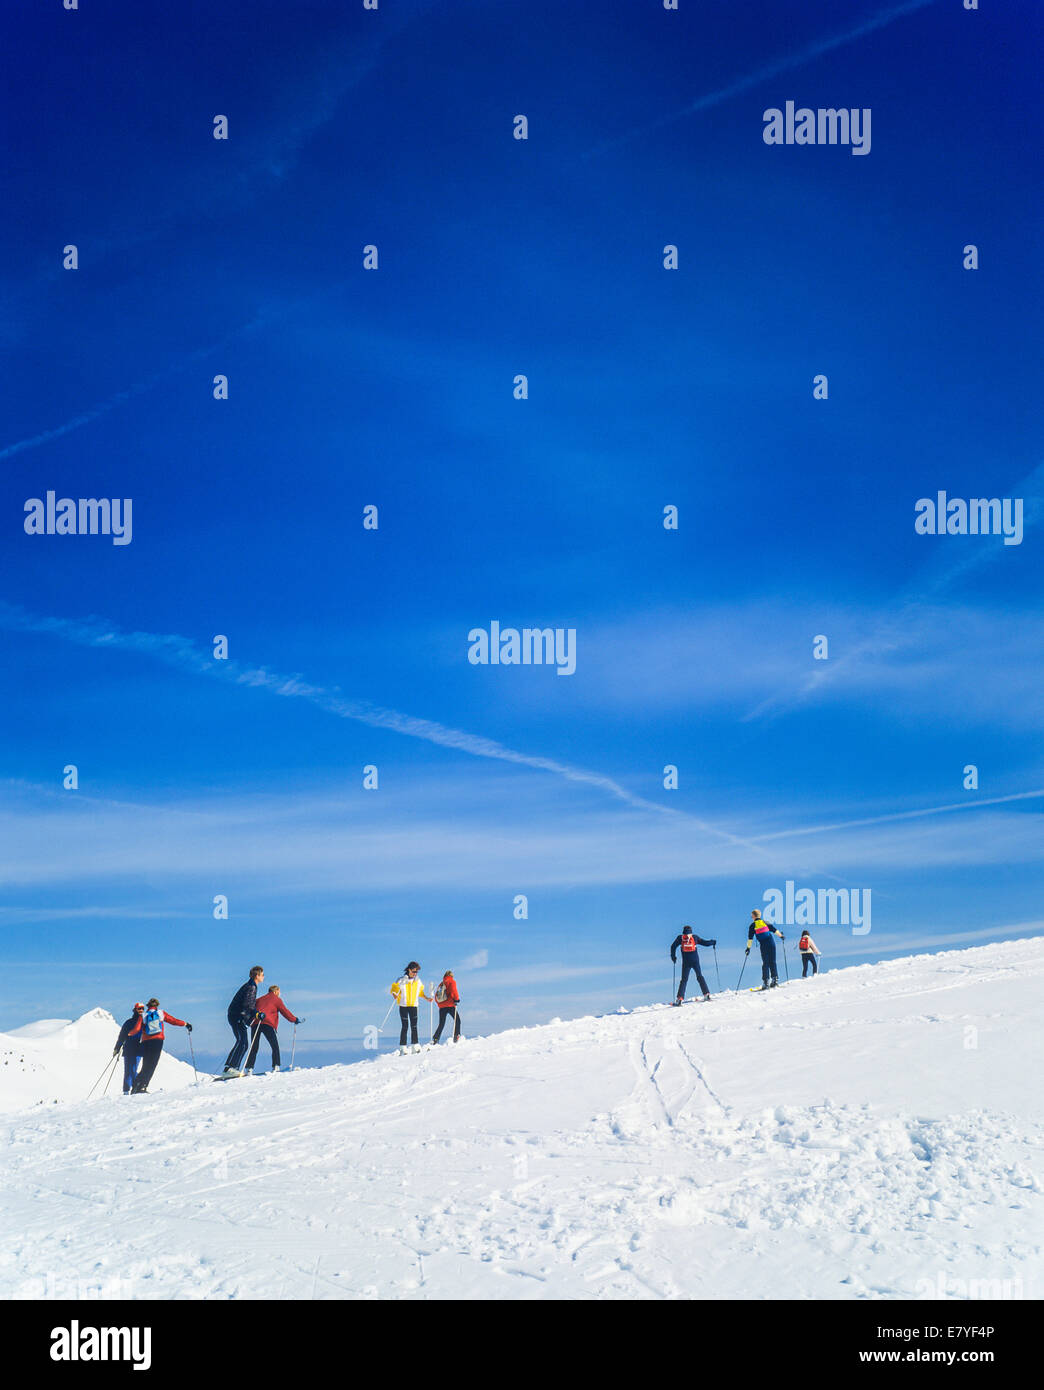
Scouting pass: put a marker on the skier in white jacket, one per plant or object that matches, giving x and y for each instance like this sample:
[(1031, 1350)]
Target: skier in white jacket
[(407, 989), (809, 950)]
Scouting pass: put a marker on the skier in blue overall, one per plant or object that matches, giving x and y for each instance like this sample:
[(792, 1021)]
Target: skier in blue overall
[(763, 932), (149, 1033), (690, 960), (131, 1048)]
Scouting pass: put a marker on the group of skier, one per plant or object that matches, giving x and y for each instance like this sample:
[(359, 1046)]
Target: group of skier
[(141, 1042), (142, 1035), (760, 931), (408, 990), (250, 1019)]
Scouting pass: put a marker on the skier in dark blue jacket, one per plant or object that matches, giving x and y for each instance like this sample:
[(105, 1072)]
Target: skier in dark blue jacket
[(687, 944), (241, 1011), (131, 1048), (763, 932)]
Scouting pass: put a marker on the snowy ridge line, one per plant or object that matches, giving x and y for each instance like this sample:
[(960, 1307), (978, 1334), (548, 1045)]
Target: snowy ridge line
[(871, 1150), (826, 985)]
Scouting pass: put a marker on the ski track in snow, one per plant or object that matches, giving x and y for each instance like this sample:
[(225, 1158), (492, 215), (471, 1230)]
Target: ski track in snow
[(848, 1136)]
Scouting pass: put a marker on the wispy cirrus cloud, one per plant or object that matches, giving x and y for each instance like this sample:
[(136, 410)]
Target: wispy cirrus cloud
[(179, 652), (644, 842), (974, 805), (337, 847), (928, 659), (917, 624), (140, 388)]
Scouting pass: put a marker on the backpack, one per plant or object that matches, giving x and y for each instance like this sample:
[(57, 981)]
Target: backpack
[(153, 1023), (442, 994)]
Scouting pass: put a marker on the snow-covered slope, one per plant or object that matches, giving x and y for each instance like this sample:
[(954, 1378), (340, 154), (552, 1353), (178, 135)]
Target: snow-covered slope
[(873, 1133), (59, 1059)]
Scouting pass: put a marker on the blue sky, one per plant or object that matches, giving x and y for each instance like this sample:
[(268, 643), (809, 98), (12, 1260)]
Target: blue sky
[(647, 388)]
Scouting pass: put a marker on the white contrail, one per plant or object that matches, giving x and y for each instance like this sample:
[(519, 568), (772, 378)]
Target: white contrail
[(773, 69), (95, 412), (178, 651), (901, 815), (300, 108), (139, 389), (277, 151)]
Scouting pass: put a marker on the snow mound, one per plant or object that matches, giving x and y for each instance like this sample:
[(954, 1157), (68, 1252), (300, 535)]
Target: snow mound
[(43, 1028), (57, 1060)]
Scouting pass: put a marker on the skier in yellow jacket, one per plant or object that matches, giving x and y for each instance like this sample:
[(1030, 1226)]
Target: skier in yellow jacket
[(407, 989)]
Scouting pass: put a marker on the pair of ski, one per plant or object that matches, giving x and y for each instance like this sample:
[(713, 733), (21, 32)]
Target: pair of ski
[(240, 1075), (677, 1003)]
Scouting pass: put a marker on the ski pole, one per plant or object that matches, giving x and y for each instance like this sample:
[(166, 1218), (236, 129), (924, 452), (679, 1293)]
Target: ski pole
[(742, 968), (193, 1051), (103, 1071), (431, 1014), (384, 1020), (246, 1060), (112, 1073), (786, 964), (674, 979), (716, 970), (293, 1048)]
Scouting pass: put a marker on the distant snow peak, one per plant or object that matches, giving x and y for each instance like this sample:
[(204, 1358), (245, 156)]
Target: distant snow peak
[(97, 1015), (57, 1061)]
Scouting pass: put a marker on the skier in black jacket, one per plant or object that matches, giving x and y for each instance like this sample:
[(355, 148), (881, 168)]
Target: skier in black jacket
[(241, 1013), (690, 960), (131, 1049)]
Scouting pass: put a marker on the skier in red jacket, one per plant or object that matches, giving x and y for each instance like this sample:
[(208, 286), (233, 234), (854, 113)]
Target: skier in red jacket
[(447, 996), (148, 1032), (269, 1007)]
